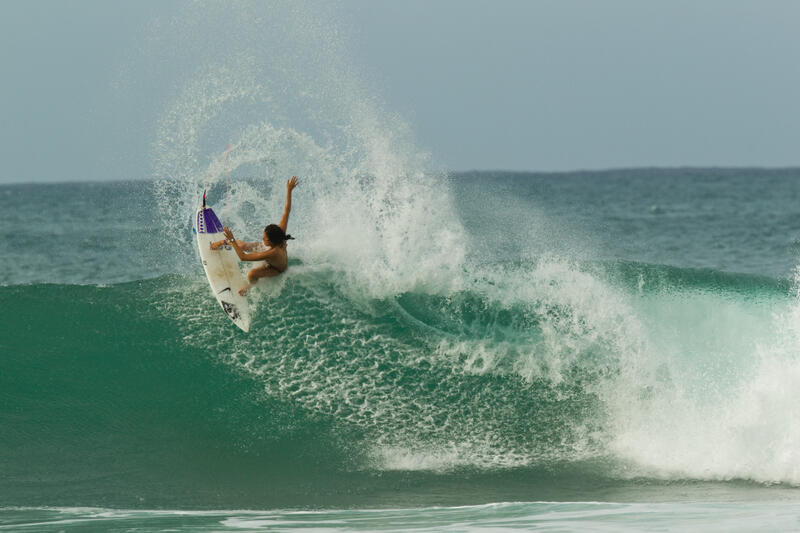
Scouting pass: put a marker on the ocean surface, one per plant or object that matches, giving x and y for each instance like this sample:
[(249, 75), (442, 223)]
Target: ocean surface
[(589, 351)]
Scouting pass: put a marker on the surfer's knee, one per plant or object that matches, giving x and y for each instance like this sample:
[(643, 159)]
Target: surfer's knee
[(254, 274), (262, 272)]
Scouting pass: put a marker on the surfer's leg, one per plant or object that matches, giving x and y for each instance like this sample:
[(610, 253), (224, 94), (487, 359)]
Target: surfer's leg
[(266, 271)]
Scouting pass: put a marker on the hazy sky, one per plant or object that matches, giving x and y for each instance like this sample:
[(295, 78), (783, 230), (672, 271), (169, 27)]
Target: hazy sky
[(522, 85)]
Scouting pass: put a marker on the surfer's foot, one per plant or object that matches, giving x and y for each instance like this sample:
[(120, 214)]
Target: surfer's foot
[(243, 291)]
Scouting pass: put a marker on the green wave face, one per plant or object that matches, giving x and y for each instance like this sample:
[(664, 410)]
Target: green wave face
[(104, 403), (143, 393)]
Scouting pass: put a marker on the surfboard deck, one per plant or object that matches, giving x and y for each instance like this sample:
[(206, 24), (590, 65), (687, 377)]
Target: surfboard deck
[(222, 268)]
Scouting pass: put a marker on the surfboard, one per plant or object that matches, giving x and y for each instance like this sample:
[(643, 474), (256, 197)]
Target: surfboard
[(222, 267)]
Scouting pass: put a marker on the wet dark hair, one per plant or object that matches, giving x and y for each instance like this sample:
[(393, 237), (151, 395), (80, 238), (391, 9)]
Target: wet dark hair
[(276, 235)]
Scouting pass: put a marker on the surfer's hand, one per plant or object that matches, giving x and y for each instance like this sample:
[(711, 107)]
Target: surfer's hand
[(291, 184), (215, 245), (228, 233)]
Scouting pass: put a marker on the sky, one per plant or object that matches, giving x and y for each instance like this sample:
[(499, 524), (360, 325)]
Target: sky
[(533, 85)]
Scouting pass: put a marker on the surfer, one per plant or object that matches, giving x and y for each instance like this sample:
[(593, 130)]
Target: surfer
[(274, 239)]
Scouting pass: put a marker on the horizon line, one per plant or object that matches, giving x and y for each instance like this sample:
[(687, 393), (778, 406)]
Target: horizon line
[(602, 170)]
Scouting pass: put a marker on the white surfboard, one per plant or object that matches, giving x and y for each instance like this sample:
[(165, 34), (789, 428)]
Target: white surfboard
[(222, 267)]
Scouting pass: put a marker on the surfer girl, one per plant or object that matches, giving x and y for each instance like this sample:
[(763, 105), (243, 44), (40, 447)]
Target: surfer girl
[(274, 239)]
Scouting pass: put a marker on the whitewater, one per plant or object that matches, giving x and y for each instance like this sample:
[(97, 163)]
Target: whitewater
[(587, 350)]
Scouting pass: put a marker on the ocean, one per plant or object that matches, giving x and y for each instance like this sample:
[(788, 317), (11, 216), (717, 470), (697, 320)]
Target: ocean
[(590, 351)]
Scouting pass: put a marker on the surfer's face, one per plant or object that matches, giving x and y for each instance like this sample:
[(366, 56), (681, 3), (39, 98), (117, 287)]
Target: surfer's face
[(266, 240)]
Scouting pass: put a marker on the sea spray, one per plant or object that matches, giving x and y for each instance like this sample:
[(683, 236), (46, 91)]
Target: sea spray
[(370, 202)]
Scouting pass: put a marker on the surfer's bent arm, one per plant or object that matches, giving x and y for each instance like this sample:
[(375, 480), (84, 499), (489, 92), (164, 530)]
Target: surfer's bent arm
[(247, 246), (241, 251), (254, 256), (291, 184)]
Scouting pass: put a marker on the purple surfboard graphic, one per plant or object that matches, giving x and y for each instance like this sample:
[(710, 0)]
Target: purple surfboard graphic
[(207, 221)]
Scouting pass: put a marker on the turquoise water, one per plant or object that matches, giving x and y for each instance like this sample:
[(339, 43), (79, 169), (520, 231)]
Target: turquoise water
[(634, 365)]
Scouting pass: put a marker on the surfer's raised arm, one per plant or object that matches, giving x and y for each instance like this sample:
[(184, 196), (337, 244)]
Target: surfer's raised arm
[(291, 184)]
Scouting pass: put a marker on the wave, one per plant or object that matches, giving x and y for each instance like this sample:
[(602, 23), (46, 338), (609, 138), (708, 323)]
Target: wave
[(622, 370)]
